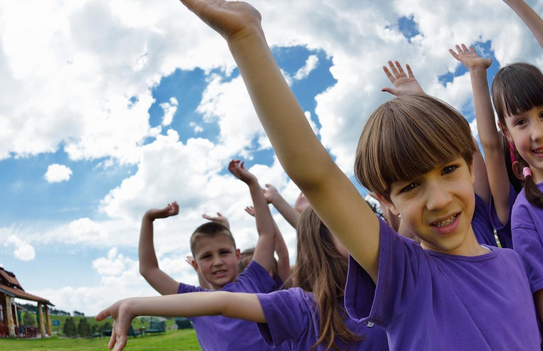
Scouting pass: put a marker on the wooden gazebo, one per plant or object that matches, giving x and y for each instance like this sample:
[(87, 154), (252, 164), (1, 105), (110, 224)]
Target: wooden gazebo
[(10, 288)]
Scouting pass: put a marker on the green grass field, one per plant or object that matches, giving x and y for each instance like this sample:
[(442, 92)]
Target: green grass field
[(173, 340)]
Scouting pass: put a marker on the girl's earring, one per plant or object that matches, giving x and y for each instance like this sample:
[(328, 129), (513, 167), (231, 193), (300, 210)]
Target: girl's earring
[(399, 216)]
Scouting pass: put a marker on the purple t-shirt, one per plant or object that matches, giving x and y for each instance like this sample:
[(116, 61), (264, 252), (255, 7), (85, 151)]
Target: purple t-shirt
[(503, 230), (527, 228), (428, 300), (481, 224), (291, 318), (219, 333)]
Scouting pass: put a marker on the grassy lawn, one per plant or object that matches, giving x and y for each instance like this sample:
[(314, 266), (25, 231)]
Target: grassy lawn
[(173, 340)]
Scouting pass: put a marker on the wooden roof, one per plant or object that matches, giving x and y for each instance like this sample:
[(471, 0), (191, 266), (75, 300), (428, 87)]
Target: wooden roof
[(9, 285), (9, 279)]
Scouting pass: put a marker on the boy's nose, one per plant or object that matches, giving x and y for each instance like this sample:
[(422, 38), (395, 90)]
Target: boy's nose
[(437, 198)]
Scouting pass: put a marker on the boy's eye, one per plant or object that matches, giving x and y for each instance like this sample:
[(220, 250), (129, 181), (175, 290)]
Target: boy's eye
[(408, 188), (204, 257), (449, 169)]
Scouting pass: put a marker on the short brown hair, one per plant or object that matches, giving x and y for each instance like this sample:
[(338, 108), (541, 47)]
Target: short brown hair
[(408, 136), (209, 229)]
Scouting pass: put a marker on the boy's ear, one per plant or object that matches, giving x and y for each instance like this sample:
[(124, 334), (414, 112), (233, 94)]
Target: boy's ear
[(387, 203), (238, 256), (194, 265)]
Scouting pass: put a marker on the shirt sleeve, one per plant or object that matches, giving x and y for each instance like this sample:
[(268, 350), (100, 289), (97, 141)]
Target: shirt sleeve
[(399, 262), (254, 279), (527, 242), (481, 223), (503, 230), (287, 315), (185, 288)]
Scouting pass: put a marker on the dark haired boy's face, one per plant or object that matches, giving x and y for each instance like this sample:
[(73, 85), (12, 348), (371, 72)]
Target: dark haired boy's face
[(217, 260), (438, 207)]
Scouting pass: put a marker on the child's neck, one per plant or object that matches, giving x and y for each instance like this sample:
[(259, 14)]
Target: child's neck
[(470, 247)]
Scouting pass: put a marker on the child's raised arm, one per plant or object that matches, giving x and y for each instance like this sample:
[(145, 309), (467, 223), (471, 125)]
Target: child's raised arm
[(149, 268), (264, 222), (283, 259), (486, 125), (288, 212), (233, 305), (529, 17), (302, 156)]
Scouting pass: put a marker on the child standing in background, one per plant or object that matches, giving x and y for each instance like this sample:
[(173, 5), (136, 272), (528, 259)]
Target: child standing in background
[(308, 316), (517, 91), (449, 288), (216, 259)]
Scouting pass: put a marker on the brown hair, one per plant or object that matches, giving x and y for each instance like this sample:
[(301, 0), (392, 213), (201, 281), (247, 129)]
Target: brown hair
[(247, 257), (408, 136), (518, 88), (209, 230), (322, 270)]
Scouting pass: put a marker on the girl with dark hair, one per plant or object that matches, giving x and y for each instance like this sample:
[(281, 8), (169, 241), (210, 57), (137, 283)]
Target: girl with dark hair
[(517, 92)]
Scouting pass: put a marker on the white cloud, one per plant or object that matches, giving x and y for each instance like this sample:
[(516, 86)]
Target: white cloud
[(23, 250), (310, 64), (57, 173), (170, 108), (197, 128)]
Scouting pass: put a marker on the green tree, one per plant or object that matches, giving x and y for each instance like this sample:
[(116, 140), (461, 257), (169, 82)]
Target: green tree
[(29, 320), (69, 328), (84, 328), (105, 326)]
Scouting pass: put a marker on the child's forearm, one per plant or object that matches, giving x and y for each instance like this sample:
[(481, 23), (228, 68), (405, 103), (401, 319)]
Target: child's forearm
[(232, 305), (146, 248), (265, 227), (490, 140), (283, 260), (301, 154), (529, 17), (288, 212)]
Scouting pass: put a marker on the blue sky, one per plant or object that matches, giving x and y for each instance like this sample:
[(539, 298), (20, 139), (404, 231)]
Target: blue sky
[(100, 123)]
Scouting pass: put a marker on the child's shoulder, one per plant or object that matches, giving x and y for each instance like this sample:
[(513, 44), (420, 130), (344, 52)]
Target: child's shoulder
[(254, 279)]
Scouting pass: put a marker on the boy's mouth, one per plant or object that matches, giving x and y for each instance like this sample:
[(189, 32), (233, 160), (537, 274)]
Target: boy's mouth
[(445, 222), (219, 274)]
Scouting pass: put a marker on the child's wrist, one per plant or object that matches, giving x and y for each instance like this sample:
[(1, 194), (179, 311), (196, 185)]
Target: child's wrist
[(478, 71)]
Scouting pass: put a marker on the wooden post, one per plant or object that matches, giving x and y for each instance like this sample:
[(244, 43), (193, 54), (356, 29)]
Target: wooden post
[(9, 313), (42, 327), (48, 321), (17, 322)]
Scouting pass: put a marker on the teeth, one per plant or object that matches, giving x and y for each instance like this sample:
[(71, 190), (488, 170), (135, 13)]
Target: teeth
[(539, 151), (445, 223)]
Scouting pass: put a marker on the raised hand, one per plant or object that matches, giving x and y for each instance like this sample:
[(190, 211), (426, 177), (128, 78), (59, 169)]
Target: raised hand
[(469, 58), (250, 210), (121, 313), (228, 18), (270, 193), (168, 211), (236, 167), (219, 219), (405, 84)]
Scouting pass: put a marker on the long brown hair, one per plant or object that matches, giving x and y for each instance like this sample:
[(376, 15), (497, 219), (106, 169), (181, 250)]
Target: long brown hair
[(322, 270), (518, 88)]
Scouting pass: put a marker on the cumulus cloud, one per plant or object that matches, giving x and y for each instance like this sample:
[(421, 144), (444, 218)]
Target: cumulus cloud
[(310, 64), (57, 173), (23, 250), (170, 108)]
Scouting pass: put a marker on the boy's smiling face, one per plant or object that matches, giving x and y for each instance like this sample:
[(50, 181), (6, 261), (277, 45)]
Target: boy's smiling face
[(217, 260), (438, 207)]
